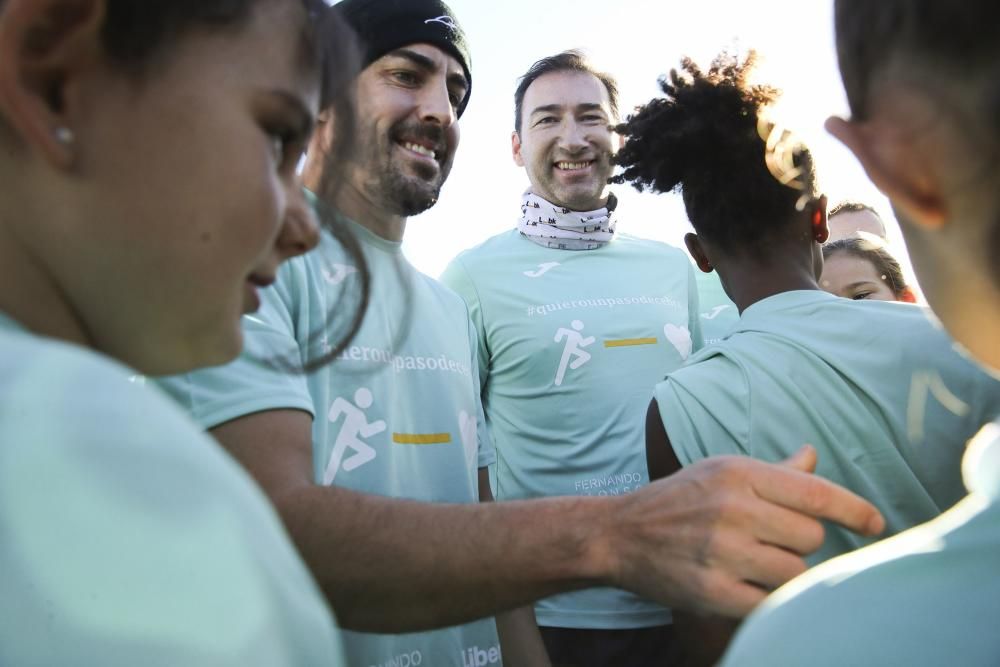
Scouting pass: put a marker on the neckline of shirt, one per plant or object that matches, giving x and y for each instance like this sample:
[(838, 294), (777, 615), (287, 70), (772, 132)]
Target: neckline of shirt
[(362, 233)]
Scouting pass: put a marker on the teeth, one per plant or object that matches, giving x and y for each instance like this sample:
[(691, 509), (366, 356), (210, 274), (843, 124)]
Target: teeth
[(417, 148), (572, 165)]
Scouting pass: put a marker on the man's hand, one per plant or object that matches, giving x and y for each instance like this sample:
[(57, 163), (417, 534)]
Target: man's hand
[(720, 534)]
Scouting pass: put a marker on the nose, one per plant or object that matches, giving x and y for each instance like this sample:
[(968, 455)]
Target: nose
[(300, 229), (435, 104), (573, 137)]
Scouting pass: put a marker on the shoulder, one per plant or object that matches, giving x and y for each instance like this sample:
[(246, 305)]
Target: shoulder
[(97, 461), (470, 267), (636, 244), (501, 242), (75, 395), (715, 368), (35, 366), (903, 314), (441, 296), (499, 245), (925, 594)]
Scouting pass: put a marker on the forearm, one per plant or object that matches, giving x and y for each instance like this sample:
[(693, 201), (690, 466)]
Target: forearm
[(520, 640), (395, 566)]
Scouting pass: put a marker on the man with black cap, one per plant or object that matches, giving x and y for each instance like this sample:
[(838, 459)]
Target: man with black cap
[(397, 413), (347, 452)]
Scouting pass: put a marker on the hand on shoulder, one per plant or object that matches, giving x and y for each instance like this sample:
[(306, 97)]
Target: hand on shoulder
[(719, 535)]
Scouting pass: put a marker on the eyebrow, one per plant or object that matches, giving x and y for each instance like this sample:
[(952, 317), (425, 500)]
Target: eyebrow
[(306, 119), (861, 283), (552, 108), (427, 64)]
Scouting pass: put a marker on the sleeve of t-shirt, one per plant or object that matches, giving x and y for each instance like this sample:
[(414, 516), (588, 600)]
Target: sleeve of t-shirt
[(705, 408), (457, 278), (130, 538), (264, 377), (694, 310), (487, 451)]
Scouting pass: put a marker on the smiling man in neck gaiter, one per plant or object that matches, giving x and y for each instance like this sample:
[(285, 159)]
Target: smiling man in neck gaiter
[(576, 323)]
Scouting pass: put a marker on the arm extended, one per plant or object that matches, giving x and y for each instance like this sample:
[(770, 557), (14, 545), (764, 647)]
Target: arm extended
[(694, 540)]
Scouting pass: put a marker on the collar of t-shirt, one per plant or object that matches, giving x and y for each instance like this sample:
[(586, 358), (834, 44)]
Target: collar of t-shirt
[(781, 301), (553, 226), (361, 233)]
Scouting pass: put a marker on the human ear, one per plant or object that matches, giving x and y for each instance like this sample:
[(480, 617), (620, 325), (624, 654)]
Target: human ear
[(44, 44), (820, 223), (515, 148), (324, 137), (907, 295), (694, 247), (892, 165)]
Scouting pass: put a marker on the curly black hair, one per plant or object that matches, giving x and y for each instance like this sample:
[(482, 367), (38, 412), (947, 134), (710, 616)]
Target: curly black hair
[(740, 176)]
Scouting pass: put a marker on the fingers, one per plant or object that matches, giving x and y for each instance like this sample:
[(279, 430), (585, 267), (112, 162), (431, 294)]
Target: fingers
[(740, 553), (803, 460), (838, 127), (729, 597), (791, 531), (817, 497)]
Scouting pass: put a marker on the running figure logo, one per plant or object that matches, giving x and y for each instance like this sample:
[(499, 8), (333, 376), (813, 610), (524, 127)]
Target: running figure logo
[(354, 428), (574, 349)]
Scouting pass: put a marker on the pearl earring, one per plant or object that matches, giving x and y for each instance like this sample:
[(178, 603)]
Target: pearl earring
[(64, 135)]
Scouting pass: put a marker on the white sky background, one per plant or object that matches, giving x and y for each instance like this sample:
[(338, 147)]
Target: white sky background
[(636, 41)]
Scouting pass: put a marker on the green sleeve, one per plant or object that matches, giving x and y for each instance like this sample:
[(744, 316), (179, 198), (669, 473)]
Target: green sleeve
[(705, 408), (458, 279)]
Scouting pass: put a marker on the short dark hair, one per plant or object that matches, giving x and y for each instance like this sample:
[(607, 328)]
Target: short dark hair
[(852, 207), (567, 61), (945, 46), (885, 264), (705, 137), (956, 39), (135, 33)]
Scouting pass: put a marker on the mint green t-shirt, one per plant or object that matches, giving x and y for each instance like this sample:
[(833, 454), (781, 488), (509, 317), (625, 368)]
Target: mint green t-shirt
[(571, 344), (718, 313), (925, 598), (128, 537), (876, 387), (397, 414)]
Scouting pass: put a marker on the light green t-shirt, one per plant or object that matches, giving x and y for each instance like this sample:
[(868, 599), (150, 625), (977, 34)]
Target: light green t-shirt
[(718, 313), (876, 387), (571, 344), (925, 598), (128, 537), (397, 414)]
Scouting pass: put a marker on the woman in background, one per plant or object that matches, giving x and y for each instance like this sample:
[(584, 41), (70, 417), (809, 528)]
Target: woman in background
[(858, 268)]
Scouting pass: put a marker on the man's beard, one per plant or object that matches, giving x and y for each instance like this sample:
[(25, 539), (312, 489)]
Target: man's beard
[(403, 194), (569, 196)]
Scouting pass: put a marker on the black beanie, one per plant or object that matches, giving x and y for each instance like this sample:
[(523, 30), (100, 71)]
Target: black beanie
[(386, 25)]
